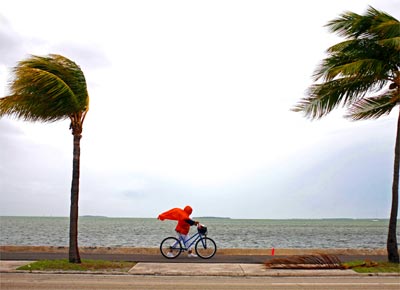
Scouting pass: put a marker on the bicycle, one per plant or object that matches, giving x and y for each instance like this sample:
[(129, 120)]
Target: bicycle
[(205, 247)]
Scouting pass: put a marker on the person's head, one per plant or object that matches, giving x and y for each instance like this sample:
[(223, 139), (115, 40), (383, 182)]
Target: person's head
[(188, 209)]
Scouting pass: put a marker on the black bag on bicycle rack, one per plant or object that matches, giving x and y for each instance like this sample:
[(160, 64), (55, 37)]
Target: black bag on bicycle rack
[(202, 230)]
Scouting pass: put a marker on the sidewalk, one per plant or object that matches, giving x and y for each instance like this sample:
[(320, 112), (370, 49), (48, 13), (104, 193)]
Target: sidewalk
[(204, 269), (233, 270)]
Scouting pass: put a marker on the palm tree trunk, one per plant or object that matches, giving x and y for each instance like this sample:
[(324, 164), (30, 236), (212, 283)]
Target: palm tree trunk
[(393, 254), (74, 256)]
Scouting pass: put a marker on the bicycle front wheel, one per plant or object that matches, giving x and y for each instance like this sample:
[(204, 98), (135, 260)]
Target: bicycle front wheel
[(205, 248), (170, 248)]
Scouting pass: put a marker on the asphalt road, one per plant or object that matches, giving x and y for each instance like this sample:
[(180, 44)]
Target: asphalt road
[(11, 281), (242, 259)]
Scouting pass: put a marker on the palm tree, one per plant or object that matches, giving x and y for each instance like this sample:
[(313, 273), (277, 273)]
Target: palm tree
[(48, 89), (362, 74)]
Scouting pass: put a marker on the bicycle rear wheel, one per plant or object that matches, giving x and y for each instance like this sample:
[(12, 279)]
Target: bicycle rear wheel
[(205, 248), (170, 248)]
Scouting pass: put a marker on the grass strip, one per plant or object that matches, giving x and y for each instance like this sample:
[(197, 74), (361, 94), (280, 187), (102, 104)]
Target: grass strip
[(86, 265), (368, 266)]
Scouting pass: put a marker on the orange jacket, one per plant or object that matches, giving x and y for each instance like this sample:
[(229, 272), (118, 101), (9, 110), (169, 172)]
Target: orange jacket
[(183, 225), (182, 216)]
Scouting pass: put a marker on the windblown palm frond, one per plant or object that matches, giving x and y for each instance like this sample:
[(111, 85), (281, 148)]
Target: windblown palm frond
[(325, 97), (373, 108), (393, 43), (364, 63), (320, 261), (373, 24), (46, 89)]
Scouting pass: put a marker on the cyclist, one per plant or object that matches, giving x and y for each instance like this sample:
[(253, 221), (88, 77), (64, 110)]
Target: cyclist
[(184, 224)]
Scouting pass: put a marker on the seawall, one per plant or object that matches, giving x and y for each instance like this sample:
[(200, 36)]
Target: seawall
[(221, 251)]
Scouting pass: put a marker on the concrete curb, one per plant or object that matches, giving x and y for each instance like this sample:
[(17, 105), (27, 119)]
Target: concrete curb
[(191, 269)]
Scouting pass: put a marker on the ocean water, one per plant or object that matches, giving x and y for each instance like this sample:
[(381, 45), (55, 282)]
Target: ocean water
[(228, 233)]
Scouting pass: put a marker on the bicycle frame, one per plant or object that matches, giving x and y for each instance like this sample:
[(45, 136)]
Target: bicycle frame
[(193, 239)]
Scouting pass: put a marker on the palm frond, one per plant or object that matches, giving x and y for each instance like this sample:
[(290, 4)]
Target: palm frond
[(322, 98), (320, 261), (64, 69), (341, 46), (364, 62), (387, 29), (46, 89), (358, 68), (374, 107), (46, 95), (347, 25), (393, 43), (357, 57), (352, 25)]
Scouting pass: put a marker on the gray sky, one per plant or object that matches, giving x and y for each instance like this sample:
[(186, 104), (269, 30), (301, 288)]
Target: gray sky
[(190, 104)]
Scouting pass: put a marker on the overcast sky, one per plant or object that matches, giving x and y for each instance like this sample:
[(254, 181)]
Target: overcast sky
[(190, 104)]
